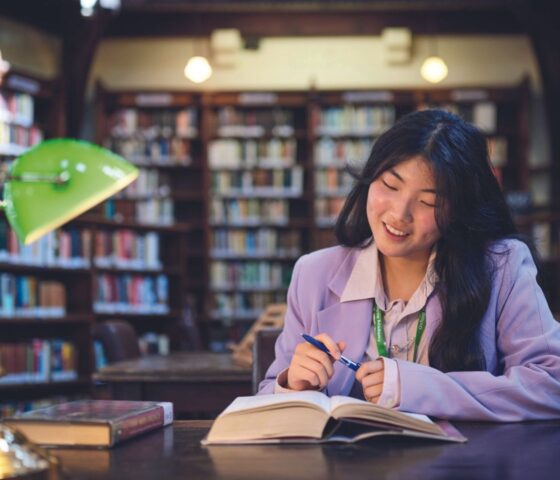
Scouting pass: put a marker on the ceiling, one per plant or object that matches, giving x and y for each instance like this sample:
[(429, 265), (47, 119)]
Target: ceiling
[(279, 18)]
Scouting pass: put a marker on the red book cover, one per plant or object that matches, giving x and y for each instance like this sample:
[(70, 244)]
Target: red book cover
[(92, 423)]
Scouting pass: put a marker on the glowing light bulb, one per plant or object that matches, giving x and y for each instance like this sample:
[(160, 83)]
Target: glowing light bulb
[(198, 69), (434, 69)]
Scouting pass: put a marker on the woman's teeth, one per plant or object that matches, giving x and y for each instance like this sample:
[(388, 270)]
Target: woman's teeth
[(394, 231)]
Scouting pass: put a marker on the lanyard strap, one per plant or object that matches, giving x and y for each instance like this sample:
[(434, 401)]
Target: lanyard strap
[(380, 336)]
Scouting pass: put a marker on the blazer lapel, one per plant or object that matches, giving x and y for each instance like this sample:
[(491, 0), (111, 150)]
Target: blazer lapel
[(350, 322)]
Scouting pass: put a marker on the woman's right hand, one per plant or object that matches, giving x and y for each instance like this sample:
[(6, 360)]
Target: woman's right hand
[(311, 368)]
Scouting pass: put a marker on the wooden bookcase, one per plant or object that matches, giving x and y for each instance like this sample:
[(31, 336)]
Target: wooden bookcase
[(241, 224), (258, 163), (45, 317), (160, 133)]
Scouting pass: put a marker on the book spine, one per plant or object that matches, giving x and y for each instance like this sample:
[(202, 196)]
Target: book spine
[(141, 422)]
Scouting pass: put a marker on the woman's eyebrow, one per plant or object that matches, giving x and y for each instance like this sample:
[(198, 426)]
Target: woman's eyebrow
[(427, 190)]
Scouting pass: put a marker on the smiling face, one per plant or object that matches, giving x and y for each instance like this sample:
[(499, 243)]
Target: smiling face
[(401, 210)]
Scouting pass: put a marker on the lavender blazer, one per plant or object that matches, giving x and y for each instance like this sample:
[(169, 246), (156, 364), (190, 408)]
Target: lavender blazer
[(520, 340)]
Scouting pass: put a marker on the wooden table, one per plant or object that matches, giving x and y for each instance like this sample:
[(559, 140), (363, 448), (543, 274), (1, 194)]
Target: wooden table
[(200, 384), (494, 451)]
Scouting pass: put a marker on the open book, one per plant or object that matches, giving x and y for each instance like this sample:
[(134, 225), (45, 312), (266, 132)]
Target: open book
[(309, 416)]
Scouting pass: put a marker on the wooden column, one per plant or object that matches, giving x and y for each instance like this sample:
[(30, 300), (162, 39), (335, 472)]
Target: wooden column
[(79, 42)]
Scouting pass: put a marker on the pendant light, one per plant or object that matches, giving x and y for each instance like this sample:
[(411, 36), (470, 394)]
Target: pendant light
[(434, 69), (198, 68)]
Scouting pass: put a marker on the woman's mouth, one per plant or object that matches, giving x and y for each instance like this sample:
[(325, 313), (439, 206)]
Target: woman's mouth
[(394, 232)]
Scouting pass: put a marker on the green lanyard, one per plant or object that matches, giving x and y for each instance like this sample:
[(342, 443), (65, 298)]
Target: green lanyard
[(380, 336)]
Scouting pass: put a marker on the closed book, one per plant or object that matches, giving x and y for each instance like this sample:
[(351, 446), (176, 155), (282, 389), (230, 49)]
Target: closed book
[(312, 417), (92, 423)]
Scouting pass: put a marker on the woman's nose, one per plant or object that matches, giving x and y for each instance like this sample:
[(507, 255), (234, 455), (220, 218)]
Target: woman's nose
[(402, 210)]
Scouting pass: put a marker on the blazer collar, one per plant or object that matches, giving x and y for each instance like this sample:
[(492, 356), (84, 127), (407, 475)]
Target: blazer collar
[(359, 278)]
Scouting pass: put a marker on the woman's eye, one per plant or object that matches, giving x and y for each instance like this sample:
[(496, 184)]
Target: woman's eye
[(387, 185), (428, 204)]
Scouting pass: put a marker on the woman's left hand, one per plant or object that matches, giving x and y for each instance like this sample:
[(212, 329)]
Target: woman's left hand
[(371, 375)]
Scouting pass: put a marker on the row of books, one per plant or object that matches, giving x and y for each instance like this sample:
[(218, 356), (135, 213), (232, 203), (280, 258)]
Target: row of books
[(249, 211), (38, 361), (12, 134), (231, 153), (137, 294), (127, 249), (289, 181), (327, 210), (255, 242), (155, 123), (150, 183), (251, 275), (30, 297), (482, 114), (265, 119), (16, 108), (68, 248), (156, 211), (329, 152), (158, 151), (331, 180), (353, 120), (248, 305)]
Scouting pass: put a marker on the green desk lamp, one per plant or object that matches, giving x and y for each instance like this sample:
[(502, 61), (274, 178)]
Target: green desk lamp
[(58, 180), (46, 187)]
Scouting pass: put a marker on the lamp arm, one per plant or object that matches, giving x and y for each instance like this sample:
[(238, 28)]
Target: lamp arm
[(59, 179)]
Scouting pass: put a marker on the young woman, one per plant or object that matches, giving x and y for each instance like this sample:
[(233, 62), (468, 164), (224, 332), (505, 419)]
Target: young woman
[(431, 289)]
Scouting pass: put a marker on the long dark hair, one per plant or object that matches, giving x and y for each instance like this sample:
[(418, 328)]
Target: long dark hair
[(470, 212)]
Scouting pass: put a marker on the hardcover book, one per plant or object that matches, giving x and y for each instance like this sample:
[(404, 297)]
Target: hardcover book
[(312, 417), (92, 423)]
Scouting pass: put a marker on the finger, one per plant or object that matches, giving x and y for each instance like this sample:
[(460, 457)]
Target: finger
[(330, 344), (368, 368), (307, 350), (372, 379), (341, 345), (373, 393), (318, 370), (322, 358)]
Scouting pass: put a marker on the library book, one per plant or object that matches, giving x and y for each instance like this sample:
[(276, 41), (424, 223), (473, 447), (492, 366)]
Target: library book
[(91, 423), (313, 417)]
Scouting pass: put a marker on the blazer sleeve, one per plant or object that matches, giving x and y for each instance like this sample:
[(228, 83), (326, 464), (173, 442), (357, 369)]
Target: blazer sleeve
[(528, 351), (290, 336)]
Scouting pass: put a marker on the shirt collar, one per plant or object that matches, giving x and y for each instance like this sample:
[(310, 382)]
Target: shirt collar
[(365, 280)]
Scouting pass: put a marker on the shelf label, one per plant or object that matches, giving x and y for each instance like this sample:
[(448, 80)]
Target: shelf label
[(153, 99), (379, 96), (27, 85), (253, 98), (468, 95)]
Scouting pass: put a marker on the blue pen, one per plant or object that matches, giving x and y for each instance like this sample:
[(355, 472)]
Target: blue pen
[(321, 346)]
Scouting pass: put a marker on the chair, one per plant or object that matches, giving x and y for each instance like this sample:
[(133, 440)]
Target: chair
[(272, 316), (118, 338), (263, 353)]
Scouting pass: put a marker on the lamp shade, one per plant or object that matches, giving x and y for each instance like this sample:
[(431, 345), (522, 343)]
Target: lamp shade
[(86, 175)]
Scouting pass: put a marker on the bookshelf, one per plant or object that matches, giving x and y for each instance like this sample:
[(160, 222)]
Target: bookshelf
[(258, 163), (268, 180), (147, 239), (45, 320)]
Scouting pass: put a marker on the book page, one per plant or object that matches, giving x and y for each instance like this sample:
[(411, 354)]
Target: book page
[(339, 400), (265, 402)]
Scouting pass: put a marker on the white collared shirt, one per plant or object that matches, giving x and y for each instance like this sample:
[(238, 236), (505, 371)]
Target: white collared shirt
[(400, 318)]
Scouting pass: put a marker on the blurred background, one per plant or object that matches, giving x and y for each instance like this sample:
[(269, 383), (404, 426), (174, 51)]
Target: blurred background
[(242, 116)]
